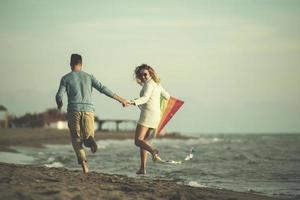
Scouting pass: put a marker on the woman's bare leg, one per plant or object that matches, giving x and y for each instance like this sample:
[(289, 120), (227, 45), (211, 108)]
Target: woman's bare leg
[(143, 155), (141, 135), (140, 141)]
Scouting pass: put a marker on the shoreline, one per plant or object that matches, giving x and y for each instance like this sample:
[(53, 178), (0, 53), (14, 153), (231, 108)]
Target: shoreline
[(37, 182), (37, 137)]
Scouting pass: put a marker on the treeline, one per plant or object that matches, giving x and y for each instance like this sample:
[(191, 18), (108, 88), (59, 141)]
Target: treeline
[(36, 120)]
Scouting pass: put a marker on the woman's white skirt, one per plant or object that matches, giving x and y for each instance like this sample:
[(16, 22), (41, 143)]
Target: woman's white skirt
[(149, 118)]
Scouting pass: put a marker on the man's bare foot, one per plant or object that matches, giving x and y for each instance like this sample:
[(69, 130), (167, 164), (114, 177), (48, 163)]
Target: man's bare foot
[(90, 142), (84, 166), (94, 146), (141, 171)]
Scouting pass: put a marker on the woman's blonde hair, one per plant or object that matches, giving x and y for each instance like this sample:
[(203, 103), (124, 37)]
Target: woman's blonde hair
[(137, 73)]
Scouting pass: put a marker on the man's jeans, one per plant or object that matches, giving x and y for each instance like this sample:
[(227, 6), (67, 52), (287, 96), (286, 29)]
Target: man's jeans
[(81, 125)]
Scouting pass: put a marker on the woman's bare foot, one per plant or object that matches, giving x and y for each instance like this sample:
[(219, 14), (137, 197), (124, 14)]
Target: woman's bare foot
[(84, 166), (155, 155), (141, 171)]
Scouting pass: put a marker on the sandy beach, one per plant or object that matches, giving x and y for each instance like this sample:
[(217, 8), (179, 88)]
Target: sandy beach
[(39, 182), (34, 182)]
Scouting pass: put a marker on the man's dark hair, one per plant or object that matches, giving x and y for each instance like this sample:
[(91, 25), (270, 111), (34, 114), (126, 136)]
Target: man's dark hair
[(75, 59)]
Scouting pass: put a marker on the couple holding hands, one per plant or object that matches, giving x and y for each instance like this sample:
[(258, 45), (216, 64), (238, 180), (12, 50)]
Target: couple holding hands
[(78, 86)]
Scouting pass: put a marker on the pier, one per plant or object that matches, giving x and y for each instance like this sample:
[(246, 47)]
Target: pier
[(116, 124)]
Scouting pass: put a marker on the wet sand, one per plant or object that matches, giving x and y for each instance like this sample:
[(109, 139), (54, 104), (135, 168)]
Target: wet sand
[(36, 182)]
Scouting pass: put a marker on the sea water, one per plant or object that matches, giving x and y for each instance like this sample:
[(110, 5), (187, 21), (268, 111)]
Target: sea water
[(261, 163)]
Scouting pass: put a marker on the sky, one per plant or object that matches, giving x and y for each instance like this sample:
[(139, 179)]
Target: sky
[(235, 63)]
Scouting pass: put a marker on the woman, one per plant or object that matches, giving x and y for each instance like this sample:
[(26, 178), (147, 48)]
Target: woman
[(149, 103)]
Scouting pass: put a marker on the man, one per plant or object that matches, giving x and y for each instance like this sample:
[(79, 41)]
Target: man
[(78, 85)]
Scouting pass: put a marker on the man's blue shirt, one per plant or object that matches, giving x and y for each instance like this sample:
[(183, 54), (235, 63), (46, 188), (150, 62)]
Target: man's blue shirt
[(79, 86)]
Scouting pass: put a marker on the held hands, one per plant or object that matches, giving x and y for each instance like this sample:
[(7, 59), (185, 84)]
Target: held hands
[(123, 101), (126, 103)]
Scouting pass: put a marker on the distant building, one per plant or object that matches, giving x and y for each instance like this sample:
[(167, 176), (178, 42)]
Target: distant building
[(61, 125), (3, 117), (54, 119)]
